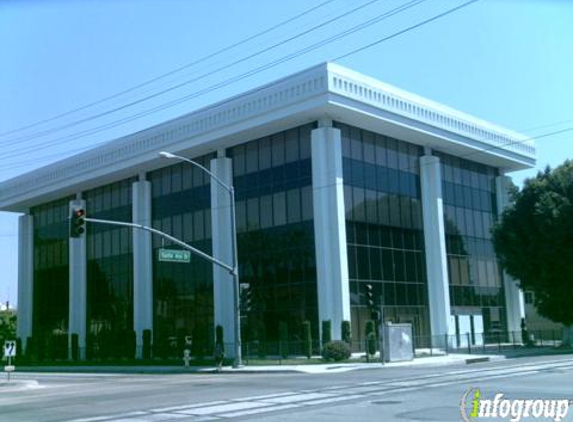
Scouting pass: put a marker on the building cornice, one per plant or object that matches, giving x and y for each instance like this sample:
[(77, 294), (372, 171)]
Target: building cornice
[(293, 99)]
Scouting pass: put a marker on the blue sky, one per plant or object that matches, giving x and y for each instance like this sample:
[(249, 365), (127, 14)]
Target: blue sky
[(506, 61)]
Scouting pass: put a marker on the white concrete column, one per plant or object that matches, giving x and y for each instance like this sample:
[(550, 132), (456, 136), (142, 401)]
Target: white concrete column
[(25, 277), (78, 288), (142, 264), (515, 308), (330, 227), (223, 287), (435, 245)]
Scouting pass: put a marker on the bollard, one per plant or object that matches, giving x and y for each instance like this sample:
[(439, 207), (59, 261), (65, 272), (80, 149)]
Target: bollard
[(468, 335), (186, 357)]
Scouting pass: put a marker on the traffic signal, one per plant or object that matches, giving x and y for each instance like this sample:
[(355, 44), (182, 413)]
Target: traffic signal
[(369, 296), (77, 222), (375, 315), (246, 297)]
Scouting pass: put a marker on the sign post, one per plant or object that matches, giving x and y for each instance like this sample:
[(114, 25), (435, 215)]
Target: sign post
[(9, 353)]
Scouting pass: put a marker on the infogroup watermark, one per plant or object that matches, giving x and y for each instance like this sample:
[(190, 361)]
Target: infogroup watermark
[(475, 407)]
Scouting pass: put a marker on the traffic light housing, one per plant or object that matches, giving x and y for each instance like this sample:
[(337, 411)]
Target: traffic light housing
[(375, 315), (245, 297), (77, 222), (370, 297)]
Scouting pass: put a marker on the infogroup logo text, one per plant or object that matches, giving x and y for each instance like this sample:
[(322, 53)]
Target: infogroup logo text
[(474, 407)]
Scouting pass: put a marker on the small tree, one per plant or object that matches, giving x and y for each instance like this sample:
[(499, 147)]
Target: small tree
[(345, 332), (219, 338), (75, 347), (146, 352), (533, 243), (199, 345), (370, 339), (283, 339), (219, 346), (7, 325), (131, 344), (30, 349), (19, 346), (262, 339), (306, 339), (326, 332)]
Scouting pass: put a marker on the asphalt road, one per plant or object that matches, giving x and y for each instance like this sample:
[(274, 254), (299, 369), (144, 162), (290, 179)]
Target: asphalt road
[(388, 394)]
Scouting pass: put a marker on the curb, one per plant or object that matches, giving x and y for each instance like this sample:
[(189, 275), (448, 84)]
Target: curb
[(477, 360)]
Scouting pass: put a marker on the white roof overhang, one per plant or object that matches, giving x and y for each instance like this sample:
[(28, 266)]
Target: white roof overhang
[(324, 91)]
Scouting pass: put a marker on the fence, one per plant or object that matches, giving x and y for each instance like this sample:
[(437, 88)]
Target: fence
[(167, 351), (484, 343)]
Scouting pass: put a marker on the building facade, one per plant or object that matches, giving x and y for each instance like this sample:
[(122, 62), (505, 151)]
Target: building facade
[(351, 196)]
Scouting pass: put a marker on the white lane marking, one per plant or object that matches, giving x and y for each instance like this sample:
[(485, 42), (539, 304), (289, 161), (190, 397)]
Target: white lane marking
[(267, 396), (110, 417), (363, 390), (224, 408), (298, 398), (93, 419), (156, 417), (187, 406), (333, 400), (259, 410)]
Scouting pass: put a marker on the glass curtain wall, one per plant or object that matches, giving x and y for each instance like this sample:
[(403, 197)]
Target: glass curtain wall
[(182, 292), (469, 212), (384, 229), (51, 278), (109, 271), (273, 184)]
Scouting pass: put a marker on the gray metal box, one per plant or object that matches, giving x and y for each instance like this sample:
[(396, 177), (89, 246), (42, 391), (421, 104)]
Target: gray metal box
[(396, 344)]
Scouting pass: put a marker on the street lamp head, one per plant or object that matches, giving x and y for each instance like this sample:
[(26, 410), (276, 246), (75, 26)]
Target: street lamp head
[(166, 154)]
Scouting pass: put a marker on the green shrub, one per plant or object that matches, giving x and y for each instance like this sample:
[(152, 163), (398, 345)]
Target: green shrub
[(131, 344), (326, 332), (19, 350), (262, 339), (219, 338), (306, 339), (336, 350), (75, 347), (219, 353), (146, 351), (30, 352), (346, 334), (199, 347), (370, 338), (283, 339)]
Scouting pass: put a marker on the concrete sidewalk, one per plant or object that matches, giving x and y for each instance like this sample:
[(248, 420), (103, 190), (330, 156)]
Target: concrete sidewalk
[(452, 359)]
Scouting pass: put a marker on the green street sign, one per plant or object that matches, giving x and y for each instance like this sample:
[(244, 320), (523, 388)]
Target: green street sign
[(174, 255)]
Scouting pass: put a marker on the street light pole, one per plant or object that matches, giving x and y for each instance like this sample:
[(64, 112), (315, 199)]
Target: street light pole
[(235, 260)]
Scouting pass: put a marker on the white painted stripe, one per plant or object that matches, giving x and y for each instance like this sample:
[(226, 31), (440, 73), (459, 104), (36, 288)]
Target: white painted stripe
[(362, 390), (188, 406), (299, 398), (158, 417), (224, 408), (94, 419), (259, 411), (399, 390), (267, 396), (110, 417), (332, 400)]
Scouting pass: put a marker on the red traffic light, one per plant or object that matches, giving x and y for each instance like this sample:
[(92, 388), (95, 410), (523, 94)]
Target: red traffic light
[(77, 222)]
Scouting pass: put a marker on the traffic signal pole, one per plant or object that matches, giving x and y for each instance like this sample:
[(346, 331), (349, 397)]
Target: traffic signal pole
[(166, 236)]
